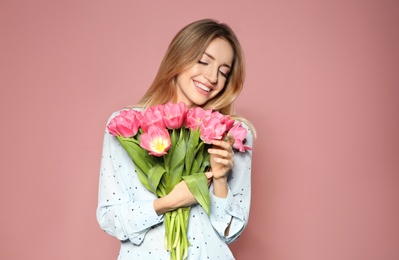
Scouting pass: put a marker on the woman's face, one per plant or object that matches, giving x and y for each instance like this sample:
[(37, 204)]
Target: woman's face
[(205, 79)]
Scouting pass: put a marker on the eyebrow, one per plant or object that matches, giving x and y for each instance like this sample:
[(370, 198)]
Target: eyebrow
[(213, 58)]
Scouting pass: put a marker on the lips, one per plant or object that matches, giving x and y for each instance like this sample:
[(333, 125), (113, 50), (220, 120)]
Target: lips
[(202, 86)]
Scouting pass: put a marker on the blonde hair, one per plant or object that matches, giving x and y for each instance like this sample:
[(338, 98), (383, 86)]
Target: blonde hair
[(183, 52)]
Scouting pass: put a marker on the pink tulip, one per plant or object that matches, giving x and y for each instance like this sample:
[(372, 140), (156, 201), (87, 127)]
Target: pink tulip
[(126, 127), (152, 116), (212, 129), (239, 133), (228, 122), (195, 116), (112, 127), (156, 140), (174, 115), (131, 114), (126, 124), (224, 119)]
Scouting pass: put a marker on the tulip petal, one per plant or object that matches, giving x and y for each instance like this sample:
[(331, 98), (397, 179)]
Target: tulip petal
[(156, 141)]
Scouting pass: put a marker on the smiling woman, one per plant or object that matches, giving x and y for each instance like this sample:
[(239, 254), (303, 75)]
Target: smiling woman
[(204, 80), (203, 68), (187, 49)]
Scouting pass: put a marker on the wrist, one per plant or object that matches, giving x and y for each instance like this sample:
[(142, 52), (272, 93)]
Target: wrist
[(162, 205), (220, 180), (220, 187)]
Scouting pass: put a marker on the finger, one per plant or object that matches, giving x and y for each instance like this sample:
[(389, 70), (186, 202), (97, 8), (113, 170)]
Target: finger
[(219, 152), (230, 139), (222, 144), (225, 162), (209, 175)]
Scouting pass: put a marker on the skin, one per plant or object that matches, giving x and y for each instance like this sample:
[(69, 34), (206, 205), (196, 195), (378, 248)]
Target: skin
[(210, 73)]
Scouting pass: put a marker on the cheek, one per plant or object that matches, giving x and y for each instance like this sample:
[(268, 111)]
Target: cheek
[(195, 70), (219, 88), (182, 79), (221, 83)]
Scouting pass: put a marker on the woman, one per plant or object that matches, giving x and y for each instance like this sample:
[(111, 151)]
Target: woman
[(203, 66)]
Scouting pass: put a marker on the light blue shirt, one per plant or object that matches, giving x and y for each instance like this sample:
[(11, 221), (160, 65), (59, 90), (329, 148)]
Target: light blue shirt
[(125, 209)]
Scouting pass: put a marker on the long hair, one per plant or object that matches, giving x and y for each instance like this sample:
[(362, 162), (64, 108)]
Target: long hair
[(186, 49)]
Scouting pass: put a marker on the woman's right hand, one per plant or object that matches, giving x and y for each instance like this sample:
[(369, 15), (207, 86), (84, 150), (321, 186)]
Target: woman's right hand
[(179, 197)]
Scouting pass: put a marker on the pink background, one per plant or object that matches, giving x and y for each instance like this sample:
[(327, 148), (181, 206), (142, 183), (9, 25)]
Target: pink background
[(322, 90)]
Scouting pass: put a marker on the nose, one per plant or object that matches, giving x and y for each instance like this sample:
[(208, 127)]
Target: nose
[(211, 75)]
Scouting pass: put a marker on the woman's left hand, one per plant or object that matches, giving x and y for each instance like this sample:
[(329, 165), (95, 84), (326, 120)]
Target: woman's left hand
[(222, 157)]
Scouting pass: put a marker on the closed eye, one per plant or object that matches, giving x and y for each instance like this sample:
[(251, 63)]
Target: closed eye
[(223, 74), (202, 62)]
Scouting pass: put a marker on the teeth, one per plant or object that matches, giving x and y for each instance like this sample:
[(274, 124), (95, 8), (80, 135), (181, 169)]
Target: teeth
[(203, 87)]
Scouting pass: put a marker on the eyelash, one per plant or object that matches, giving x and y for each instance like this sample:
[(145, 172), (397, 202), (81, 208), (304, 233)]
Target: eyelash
[(223, 74)]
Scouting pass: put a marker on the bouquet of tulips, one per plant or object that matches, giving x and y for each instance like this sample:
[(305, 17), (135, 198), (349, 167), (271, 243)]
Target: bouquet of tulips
[(168, 143)]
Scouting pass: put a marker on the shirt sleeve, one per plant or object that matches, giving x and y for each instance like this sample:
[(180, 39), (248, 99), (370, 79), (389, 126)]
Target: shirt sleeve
[(125, 207), (235, 207)]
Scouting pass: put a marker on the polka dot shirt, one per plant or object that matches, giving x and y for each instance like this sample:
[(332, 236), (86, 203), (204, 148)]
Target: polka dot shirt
[(125, 209)]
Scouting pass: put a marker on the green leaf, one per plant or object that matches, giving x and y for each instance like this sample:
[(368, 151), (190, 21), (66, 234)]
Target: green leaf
[(198, 185), (178, 155), (174, 177), (138, 154), (196, 166), (205, 165), (168, 156), (176, 166), (193, 139), (154, 177), (143, 178), (140, 158)]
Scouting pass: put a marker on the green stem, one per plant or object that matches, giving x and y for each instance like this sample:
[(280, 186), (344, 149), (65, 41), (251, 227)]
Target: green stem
[(183, 230), (171, 230)]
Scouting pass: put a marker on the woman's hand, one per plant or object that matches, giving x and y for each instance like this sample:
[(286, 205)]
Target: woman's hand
[(222, 157), (179, 197)]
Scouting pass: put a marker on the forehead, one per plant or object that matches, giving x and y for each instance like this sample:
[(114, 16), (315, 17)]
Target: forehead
[(220, 50)]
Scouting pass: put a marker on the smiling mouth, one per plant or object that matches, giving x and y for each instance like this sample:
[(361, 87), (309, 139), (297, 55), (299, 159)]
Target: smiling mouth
[(202, 86)]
